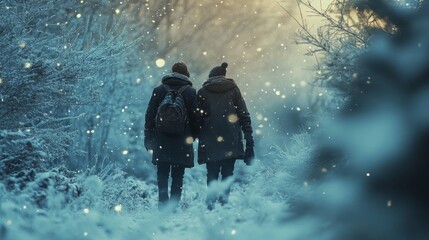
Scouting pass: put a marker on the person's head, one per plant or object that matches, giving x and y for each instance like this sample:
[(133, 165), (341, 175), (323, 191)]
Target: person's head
[(219, 70), (181, 68)]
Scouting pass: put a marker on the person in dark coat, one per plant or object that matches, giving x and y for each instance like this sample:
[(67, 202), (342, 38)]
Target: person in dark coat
[(171, 153), (224, 119)]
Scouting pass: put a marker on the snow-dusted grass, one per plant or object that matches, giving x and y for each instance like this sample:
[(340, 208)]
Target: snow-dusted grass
[(113, 206)]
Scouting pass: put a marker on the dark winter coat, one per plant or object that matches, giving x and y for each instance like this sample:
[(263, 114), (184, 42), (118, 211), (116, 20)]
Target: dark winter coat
[(223, 121), (167, 148)]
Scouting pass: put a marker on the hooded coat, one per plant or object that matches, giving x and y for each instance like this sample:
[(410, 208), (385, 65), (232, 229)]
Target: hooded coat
[(224, 119), (167, 148)]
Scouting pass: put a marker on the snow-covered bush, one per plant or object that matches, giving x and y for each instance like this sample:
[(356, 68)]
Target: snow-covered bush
[(337, 42), (53, 189), (111, 190), (285, 168), (20, 152), (41, 66), (22, 156), (61, 204)]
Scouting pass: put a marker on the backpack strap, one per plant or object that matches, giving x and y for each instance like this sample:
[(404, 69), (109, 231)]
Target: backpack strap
[(182, 88)]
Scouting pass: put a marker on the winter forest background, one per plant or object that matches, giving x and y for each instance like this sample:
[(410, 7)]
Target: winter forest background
[(337, 90)]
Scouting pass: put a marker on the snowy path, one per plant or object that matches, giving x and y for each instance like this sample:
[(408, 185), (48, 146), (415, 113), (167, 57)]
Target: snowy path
[(117, 207), (247, 215)]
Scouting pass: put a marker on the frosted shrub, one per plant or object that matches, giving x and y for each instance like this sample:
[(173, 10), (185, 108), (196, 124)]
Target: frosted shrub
[(41, 66), (111, 190), (21, 156), (284, 169), (54, 189), (128, 192)]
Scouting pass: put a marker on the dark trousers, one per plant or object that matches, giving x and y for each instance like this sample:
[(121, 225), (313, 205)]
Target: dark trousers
[(163, 173), (226, 169)]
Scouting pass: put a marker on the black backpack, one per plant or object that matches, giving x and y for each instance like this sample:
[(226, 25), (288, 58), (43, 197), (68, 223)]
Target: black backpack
[(171, 116)]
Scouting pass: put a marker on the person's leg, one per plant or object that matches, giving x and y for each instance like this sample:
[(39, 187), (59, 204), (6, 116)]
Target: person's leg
[(177, 173), (227, 171), (162, 173), (213, 170)]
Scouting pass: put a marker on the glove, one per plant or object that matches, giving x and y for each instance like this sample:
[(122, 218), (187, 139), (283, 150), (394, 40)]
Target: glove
[(148, 140), (249, 155)]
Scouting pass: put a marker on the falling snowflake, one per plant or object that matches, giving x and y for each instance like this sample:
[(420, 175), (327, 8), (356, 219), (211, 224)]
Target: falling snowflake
[(189, 140), (22, 44), (27, 65), (118, 208), (232, 118), (160, 62)]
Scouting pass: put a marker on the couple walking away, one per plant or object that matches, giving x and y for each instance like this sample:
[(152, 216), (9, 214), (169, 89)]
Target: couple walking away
[(217, 115)]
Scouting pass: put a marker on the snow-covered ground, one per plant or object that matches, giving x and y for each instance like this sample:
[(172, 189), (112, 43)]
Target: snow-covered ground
[(66, 205)]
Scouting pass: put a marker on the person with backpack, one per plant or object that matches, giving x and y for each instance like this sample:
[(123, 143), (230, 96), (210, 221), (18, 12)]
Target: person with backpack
[(170, 130), (224, 119)]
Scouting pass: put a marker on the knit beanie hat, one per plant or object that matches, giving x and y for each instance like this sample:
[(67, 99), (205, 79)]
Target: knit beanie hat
[(181, 68), (219, 70)]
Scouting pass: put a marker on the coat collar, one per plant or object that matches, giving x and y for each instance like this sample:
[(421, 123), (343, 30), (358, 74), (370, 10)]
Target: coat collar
[(176, 79), (219, 84)]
